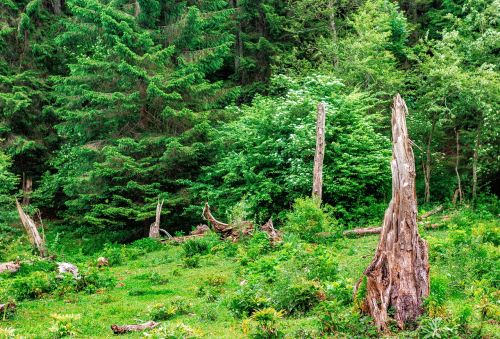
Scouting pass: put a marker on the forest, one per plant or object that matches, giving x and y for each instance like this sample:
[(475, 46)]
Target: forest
[(249, 168)]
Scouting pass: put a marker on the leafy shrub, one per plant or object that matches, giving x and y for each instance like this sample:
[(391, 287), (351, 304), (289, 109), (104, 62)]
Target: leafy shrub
[(168, 311), (192, 262), (64, 325), (162, 312), (33, 286), (175, 331), (308, 219), (92, 279), (200, 245), (115, 254), (263, 324), (296, 294), (147, 245), (434, 303), (248, 298), (344, 322), (436, 328), (36, 265)]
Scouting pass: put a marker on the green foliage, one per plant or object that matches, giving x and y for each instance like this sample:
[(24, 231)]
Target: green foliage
[(177, 307), (339, 321), (64, 325), (308, 219), (266, 155), (436, 328), (263, 324)]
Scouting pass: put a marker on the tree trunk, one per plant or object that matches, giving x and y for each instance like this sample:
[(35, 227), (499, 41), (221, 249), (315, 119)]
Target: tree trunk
[(398, 277), (320, 153), (459, 191), (29, 225), (27, 189), (154, 230), (427, 167), (475, 162), (57, 6), (137, 8)]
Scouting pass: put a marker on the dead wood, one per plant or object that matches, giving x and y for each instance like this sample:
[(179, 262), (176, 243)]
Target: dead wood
[(200, 229), (398, 276), (320, 152), (154, 229), (377, 230), (431, 212), (34, 236), (66, 267), (102, 261), (11, 266), (6, 307), (134, 328), (273, 234), (362, 231)]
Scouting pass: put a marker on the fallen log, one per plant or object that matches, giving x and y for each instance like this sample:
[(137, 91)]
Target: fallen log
[(431, 212), (11, 266), (34, 236), (134, 328), (363, 231), (377, 230)]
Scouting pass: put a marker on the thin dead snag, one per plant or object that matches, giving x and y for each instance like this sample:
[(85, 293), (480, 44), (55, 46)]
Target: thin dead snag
[(154, 229), (34, 236), (398, 277), (133, 328), (320, 153)]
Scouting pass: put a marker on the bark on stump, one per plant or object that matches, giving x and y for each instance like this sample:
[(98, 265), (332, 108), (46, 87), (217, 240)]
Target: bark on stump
[(398, 277)]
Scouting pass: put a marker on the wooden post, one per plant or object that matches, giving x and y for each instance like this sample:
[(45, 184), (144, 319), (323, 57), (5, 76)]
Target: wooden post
[(29, 225), (320, 153), (398, 276), (154, 229)]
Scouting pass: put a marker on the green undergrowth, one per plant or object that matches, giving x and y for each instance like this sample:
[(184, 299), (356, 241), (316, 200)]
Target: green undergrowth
[(214, 289)]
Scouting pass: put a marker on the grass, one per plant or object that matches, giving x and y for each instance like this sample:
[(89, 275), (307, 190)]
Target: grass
[(159, 277)]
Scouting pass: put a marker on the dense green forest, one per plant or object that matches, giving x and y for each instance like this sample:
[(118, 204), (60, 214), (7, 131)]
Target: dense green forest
[(109, 106)]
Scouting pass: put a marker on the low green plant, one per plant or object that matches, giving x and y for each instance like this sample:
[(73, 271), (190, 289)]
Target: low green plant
[(340, 321), (169, 310), (175, 331), (7, 332), (309, 220), (64, 325), (436, 328), (192, 261), (263, 324)]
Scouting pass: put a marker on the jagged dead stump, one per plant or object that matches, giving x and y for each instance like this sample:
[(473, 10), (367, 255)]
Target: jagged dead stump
[(398, 277)]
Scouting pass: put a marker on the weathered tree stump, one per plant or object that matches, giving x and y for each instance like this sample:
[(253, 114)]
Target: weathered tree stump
[(398, 277), (154, 229)]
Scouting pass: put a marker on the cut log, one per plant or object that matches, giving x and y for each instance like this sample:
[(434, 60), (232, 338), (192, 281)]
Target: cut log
[(362, 231), (200, 229), (320, 153), (29, 225), (11, 267), (398, 276), (134, 328), (431, 212), (378, 230), (154, 229)]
